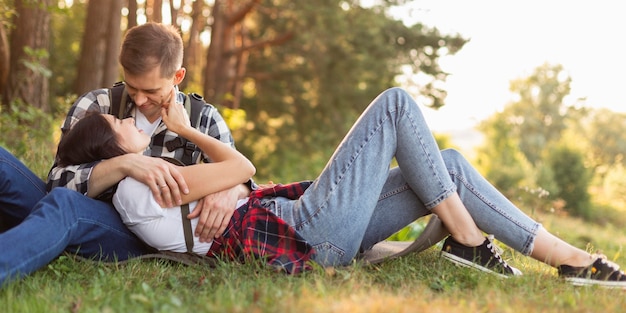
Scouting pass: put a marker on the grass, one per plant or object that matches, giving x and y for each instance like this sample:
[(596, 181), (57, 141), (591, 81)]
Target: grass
[(420, 282)]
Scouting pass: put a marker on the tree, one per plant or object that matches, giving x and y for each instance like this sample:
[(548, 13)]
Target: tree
[(193, 50), (538, 116), (303, 95), (606, 138), (572, 178), (27, 80), (98, 65), (227, 56), (500, 159), (4, 41)]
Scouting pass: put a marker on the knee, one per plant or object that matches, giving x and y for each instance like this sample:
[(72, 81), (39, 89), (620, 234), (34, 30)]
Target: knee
[(395, 92), (453, 157), (61, 197)]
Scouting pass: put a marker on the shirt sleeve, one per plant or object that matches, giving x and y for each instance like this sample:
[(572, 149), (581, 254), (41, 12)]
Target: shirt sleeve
[(212, 123), (76, 177)]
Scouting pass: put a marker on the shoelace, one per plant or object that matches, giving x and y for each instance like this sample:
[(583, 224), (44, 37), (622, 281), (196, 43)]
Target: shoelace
[(613, 266), (495, 250)]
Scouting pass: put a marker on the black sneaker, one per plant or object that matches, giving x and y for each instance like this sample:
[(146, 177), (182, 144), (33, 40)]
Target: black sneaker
[(602, 273), (484, 257)]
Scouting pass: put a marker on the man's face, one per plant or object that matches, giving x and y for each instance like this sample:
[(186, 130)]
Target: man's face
[(149, 91)]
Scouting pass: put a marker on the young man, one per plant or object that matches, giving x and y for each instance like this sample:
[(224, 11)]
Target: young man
[(80, 218)]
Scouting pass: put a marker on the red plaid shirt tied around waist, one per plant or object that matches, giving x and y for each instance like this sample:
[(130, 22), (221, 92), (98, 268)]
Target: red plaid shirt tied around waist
[(254, 231)]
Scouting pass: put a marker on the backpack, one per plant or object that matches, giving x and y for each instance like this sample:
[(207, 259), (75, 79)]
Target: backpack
[(194, 104)]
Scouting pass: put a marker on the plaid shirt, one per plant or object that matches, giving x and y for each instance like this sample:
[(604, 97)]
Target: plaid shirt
[(76, 177), (254, 231)]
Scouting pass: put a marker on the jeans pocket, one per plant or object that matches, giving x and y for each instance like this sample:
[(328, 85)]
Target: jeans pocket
[(328, 254)]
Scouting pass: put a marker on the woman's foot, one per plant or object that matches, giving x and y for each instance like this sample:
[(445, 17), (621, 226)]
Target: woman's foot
[(602, 273), (484, 257)]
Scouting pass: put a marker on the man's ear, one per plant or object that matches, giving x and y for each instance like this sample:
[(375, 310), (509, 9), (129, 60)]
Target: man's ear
[(179, 75)]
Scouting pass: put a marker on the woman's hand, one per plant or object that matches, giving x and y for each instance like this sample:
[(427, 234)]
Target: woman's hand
[(174, 115)]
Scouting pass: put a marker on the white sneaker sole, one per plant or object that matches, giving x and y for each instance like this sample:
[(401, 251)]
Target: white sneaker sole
[(465, 263), (576, 281)]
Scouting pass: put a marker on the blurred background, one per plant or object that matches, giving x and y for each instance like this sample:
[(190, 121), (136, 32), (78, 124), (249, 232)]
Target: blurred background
[(528, 91)]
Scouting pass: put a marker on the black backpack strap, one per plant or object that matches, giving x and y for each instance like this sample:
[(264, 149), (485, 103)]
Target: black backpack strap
[(118, 98), (194, 104), (184, 211), (197, 104)]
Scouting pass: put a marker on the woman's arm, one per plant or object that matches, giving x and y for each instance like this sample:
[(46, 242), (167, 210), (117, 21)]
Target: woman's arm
[(228, 169)]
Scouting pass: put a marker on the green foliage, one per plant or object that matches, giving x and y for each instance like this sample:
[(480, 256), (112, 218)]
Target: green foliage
[(410, 232), (27, 133), (35, 61), (572, 178), (605, 137), (303, 96), (67, 27), (537, 118), (500, 160)]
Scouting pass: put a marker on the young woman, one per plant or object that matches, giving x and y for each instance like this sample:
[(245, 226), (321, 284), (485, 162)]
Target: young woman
[(358, 201), (103, 136)]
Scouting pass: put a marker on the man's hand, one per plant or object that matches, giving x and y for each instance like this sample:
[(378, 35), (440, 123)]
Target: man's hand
[(164, 179), (215, 211)]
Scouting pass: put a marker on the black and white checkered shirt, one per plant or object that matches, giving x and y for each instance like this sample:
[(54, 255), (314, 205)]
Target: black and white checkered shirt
[(76, 177)]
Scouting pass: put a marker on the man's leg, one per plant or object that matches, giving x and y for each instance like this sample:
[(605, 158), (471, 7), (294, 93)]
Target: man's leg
[(65, 220), (20, 189)]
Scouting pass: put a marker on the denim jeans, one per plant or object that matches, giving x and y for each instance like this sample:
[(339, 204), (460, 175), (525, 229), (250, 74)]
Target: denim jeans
[(358, 200), (63, 220)]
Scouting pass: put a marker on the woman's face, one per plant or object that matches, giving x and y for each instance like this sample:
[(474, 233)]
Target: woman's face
[(130, 138)]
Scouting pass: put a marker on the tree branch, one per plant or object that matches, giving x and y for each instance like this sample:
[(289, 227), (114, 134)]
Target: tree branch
[(243, 11), (276, 41)]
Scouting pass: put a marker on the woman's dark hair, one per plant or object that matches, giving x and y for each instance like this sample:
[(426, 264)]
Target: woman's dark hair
[(90, 139)]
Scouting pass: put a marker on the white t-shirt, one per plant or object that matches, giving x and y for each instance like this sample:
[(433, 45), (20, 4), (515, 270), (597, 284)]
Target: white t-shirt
[(160, 228)]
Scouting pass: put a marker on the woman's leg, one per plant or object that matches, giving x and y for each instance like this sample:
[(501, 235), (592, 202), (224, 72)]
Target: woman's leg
[(65, 220), (496, 215), (335, 212), (20, 189)]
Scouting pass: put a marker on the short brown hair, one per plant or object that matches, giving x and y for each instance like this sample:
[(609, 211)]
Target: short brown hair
[(149, 45)]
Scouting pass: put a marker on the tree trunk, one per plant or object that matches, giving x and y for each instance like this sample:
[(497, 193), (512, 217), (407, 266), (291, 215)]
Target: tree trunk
[(191, 58), (97, 66), (4, 57), (154, 9), (28, 73), (215, 70), (226, 58), (113, 40), (132, 13)]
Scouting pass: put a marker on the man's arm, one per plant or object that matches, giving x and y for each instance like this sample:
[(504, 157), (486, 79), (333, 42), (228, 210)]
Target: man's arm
[(154, 172), (76, 177)]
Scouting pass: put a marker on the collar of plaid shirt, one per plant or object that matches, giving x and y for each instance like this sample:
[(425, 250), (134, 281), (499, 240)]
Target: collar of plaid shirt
[(257, 233)]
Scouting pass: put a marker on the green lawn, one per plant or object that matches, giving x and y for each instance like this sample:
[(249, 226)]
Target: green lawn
[(415, 283)]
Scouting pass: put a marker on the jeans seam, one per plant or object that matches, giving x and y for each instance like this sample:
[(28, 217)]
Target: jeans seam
[(24, 175), (345, 169), (532, 231)]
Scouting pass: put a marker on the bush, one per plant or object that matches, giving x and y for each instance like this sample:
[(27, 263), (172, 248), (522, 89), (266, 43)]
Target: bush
[(27, 133), (572, 178)]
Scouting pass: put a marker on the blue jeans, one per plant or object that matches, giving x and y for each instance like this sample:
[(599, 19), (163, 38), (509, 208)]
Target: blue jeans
[(63, 220), (358, 200)]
